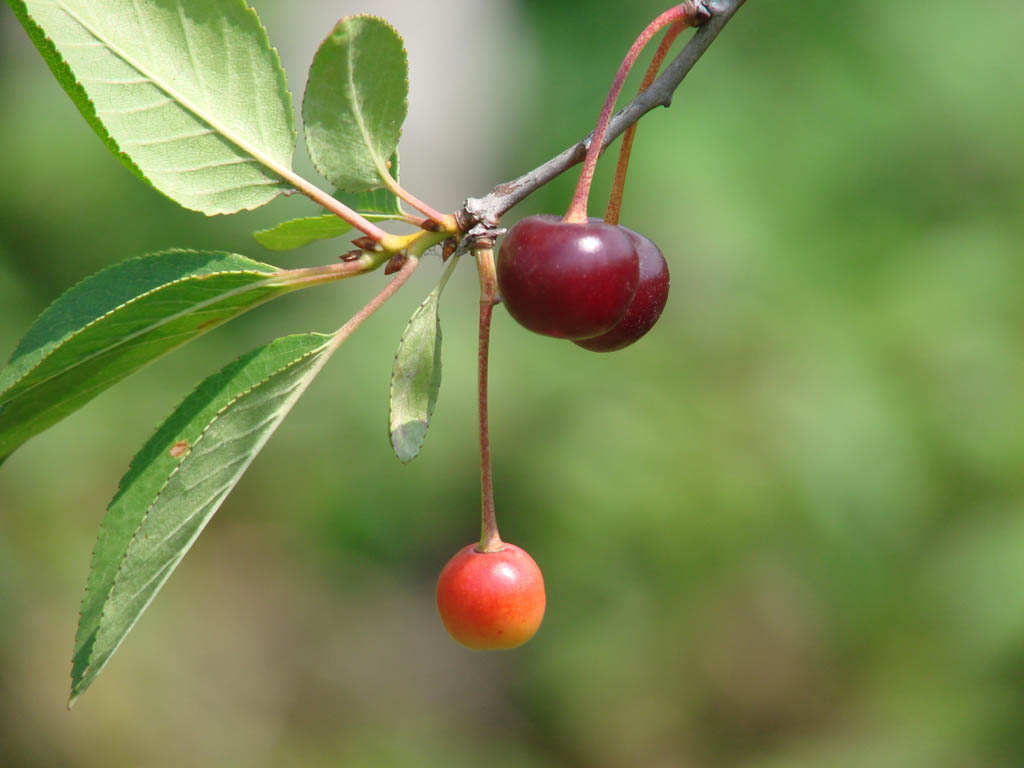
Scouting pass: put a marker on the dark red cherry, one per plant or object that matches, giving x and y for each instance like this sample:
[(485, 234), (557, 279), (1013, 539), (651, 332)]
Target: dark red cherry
[(567, 280), (645, 309)]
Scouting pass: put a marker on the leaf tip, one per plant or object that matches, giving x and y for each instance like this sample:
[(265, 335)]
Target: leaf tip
[(407, 439), (78, 687)]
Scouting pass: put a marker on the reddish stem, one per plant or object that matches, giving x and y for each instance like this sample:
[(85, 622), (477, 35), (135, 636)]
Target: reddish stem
[(376, 302), (686, 12), (332, 204), (490, 541), (445, 221), (615, 200)]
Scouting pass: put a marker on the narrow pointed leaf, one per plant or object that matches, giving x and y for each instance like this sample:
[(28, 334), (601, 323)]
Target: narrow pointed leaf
[(188, 93), (178, 481), (116, 321), (299, 232), (356, 102), (416, 376)]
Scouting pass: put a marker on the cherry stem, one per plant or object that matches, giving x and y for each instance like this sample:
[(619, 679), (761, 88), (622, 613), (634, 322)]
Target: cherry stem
[(686, 12), (377, 301), (490, 541), (615, 200), (446, 221), (336, 207)]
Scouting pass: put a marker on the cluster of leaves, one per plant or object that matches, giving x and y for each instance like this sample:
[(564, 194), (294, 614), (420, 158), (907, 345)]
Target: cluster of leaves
[(191, 96)]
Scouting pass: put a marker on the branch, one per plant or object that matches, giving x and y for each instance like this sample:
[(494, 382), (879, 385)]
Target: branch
[(488, 210)]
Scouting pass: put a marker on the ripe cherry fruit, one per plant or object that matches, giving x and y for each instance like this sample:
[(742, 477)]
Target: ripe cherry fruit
[(565, 279), (645, 309), (491, 600)]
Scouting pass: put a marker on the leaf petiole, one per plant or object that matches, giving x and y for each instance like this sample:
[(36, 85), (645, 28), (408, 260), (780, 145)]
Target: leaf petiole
[(418, 244), (339, 209), (375, 303), (445, 220)]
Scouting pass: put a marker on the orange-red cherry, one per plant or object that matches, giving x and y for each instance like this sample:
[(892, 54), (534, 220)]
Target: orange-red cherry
[(567, 280), (491, 600)]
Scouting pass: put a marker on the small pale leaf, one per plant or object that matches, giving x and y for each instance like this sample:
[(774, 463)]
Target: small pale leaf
[(416, 378), (188, 93), (116, 321), (299, 232), (178, 481), (356, 102)]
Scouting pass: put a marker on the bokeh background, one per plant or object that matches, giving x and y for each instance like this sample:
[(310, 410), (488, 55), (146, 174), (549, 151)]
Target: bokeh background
[(786, 529)]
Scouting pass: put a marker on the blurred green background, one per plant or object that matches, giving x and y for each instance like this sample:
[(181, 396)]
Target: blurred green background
[(786, 529)]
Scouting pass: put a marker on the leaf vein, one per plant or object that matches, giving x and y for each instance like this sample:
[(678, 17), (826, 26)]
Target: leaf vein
[(200, 306), (357, 108), (144, 31), (215, 125), (220, 190), (168, 139), (321, 350), (259, 102), (141, 108), (196, 70), (118, 80), (206, 166)]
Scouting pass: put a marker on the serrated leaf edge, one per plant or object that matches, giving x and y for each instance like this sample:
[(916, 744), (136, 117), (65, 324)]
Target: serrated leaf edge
[(430, 406), (66, 78), (74, 88), (326, 349), (438, 290), (271, 276), (405, 100)]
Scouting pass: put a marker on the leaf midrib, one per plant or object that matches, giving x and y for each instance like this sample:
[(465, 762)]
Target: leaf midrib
[(325, 350), (357, 110), (142, 331), (284, 173)]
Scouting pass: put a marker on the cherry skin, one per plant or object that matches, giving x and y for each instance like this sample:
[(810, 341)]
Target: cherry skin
[(645, 309), (567, 280), (491, 600)]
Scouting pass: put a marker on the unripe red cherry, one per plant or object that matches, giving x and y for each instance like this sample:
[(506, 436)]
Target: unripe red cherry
[(491, 600), (645, 309), (567, 280)]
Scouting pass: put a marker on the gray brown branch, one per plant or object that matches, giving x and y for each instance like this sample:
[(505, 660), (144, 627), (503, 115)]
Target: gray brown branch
[(487, 211)]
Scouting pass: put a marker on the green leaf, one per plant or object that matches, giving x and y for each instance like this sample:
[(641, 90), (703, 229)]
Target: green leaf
[(381, 200), (374, 205), (356, 102), (189, 94), (416, 376), (177, 482), (116, 321), (299, 232)]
